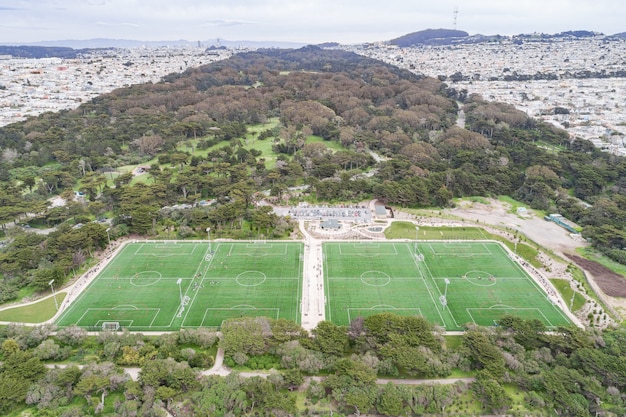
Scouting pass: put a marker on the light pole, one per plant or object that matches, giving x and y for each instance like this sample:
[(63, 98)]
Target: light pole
[(108, 235), (180, 291), (208, 234), (54, 295)]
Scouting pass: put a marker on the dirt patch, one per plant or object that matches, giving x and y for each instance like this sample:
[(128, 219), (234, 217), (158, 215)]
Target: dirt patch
[(611, 283), (497, 213)]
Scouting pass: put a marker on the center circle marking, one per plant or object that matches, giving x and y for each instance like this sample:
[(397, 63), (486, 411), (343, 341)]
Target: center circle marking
[(251, 278), (480, 278), (375, 278), (145, 278)]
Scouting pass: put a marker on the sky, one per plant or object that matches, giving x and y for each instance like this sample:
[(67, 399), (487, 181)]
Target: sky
[(304, 21)]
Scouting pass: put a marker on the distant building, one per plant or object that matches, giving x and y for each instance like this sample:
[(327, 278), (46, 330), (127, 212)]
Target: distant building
[(380, 212), (563, 222), (331, 224)]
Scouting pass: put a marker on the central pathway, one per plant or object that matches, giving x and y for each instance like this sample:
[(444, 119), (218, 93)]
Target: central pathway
[(313, 300)]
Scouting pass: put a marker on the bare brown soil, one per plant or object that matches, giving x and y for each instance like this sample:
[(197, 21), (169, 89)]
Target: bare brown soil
[(611, 283)]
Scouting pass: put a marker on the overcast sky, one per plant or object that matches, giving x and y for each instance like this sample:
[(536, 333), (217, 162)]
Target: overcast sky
[(307, 21)]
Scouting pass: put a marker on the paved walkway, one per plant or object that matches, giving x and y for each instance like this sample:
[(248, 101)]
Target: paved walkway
[(313, 299)]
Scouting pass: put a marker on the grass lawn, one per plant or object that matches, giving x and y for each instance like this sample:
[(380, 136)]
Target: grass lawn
[(566, 291), (33, 313), (453, 342), (142, 287), (406, 230), (448, 283)]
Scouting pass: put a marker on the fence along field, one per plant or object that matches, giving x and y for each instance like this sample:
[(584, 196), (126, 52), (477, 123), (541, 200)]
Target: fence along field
[(143, 286), (450, 284)]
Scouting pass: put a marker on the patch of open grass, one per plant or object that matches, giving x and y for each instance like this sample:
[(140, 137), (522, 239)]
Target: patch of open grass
[(465, 405), (406, 230), (564, 288), (517, 395), (33, 313), (457, 373), (25, 292), (453, 342)]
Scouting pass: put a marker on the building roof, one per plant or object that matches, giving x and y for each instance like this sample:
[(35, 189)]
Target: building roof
[(331, 224)]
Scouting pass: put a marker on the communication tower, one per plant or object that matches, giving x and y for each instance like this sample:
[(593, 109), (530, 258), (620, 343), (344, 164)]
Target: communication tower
[(455, 13)]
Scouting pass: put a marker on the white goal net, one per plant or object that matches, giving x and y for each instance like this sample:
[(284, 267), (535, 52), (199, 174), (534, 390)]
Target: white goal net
[(111, 326)]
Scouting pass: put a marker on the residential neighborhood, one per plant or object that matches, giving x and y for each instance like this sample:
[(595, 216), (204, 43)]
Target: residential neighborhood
[(29, 87), (574, 83)]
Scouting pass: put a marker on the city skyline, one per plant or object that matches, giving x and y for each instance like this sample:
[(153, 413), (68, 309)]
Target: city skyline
[(348, 21)]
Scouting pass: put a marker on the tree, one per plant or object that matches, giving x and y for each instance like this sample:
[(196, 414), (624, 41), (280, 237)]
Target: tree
[(292, 379), (140, 204), (391, 402), (361, 398), (221, 397), (169, 373), (330, 338), (484, 353), (528, 333), (72, 335), (284, 330), (102, 379), (17, 372), (244, 335), (491, 394)]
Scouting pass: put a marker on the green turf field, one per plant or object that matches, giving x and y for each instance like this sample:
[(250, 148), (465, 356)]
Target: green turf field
[(484, 283), (140, 290)]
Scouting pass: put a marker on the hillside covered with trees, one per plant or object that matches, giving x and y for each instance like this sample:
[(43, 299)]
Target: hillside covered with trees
[(146, 160), (269, 120)]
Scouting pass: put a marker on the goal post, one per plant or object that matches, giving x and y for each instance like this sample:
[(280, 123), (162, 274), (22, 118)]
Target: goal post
[(111, 326)]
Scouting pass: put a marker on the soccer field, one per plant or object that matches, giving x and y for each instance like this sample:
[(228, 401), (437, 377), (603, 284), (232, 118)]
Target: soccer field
[(448, 283), (142, 287)]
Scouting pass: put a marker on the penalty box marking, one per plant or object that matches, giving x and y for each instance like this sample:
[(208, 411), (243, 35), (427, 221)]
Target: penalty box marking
[(358, 247), (242, 307), (486, 252), (127, 308), (122, 323), (496, 307), (382, 308), (264, 246)]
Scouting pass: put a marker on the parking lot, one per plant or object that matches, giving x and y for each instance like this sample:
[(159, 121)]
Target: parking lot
[(347, 213)]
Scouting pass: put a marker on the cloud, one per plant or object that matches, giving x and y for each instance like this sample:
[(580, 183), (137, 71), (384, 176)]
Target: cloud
[(349, 21), (213, 23), (114, 24)]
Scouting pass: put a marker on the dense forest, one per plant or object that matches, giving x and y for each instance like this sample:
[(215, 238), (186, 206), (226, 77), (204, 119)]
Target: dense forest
[(269, 120), (515, 368), (199, 149)]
